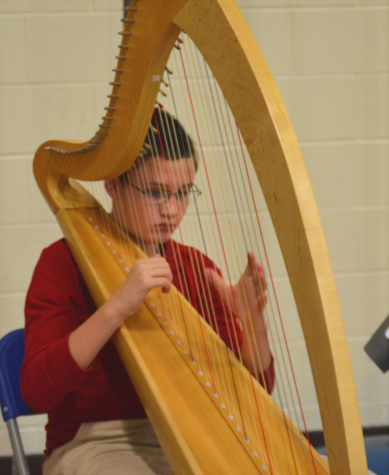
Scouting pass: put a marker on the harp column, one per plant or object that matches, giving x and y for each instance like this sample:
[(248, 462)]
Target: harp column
[(221, 34)]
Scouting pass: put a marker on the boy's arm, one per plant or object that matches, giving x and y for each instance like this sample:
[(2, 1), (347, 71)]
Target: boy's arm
[(146, 274), (60, 349), (247, 300)]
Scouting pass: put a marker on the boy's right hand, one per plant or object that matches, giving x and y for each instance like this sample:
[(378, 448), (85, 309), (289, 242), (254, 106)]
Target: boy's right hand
[(145, 275)]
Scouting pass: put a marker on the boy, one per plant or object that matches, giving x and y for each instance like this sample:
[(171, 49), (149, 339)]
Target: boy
[(97, 424)]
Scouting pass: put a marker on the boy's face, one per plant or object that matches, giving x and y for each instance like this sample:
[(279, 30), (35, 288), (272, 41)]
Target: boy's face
[(142, 206)]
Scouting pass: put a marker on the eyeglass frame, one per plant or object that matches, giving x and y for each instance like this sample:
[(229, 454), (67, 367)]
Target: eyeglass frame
[(196, 193)]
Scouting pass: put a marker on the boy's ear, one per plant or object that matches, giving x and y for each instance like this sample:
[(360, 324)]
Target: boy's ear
[(112, 187)]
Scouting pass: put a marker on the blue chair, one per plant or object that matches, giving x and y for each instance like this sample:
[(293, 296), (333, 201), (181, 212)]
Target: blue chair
[(12, 403)]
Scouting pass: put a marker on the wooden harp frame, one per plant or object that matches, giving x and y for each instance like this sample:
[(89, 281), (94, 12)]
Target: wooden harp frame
[(219, 31)]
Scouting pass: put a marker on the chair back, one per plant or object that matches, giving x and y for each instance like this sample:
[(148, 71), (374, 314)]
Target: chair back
[(11, 358)]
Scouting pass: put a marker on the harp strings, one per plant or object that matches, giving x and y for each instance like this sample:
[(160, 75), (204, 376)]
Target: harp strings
[(205, 234), (276, 328), (201, 288), (222, 115), (168, 140), (228, 148), (279, 355), (200, 236), (225, 118), (258, 415)]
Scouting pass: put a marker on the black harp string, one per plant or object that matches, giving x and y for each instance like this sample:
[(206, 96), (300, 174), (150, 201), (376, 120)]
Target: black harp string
[(197, 211), (247, 389), (206, 253)]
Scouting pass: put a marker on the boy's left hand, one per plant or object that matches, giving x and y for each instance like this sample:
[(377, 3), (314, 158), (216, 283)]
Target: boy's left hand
[(248, 297)]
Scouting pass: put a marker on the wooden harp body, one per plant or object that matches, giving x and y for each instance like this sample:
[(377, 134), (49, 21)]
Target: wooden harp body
[(195, 433)]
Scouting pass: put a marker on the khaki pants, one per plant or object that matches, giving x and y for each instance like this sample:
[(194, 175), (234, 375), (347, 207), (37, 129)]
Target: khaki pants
[(110, 448)]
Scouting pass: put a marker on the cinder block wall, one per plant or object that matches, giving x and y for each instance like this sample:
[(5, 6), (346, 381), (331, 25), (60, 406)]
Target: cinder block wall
[(330, 59)]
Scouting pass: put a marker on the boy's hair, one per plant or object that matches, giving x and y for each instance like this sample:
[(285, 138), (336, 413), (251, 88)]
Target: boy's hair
[(171, 142)]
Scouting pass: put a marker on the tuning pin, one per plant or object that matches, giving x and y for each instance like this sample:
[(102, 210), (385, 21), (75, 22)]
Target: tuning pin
[(125, 33), (163, 93), (169, 71)]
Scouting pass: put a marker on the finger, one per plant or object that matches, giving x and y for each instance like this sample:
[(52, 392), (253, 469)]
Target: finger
[(262, 277), (162, 282), (152, 263), (255, 270), (251, 264), (161, 271)]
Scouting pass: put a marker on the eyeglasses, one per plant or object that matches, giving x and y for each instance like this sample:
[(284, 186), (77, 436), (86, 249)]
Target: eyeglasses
[(159, 196)]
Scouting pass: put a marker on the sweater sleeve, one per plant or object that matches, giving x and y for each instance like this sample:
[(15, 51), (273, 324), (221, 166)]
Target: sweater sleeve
[(49, 371)]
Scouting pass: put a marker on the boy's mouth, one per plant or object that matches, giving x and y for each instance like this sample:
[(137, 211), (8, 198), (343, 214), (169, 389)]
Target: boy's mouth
[(166, 228)]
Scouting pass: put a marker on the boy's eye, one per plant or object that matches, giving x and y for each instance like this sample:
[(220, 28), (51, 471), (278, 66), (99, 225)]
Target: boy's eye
[(183, 193), (156, 192)]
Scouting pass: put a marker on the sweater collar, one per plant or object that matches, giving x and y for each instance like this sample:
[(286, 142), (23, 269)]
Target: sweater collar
[(173, 255)]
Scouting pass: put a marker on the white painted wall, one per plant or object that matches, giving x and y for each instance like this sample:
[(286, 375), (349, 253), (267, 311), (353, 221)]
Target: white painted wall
[(331, 62)]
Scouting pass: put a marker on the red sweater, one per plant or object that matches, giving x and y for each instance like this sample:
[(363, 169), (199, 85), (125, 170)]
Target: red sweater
[(57, 303)]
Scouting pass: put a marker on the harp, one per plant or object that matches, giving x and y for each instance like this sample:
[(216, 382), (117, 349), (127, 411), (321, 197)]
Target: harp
[(195, 433)]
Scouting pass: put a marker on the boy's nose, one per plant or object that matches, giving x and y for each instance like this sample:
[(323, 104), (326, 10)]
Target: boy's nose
[(170, 208)]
